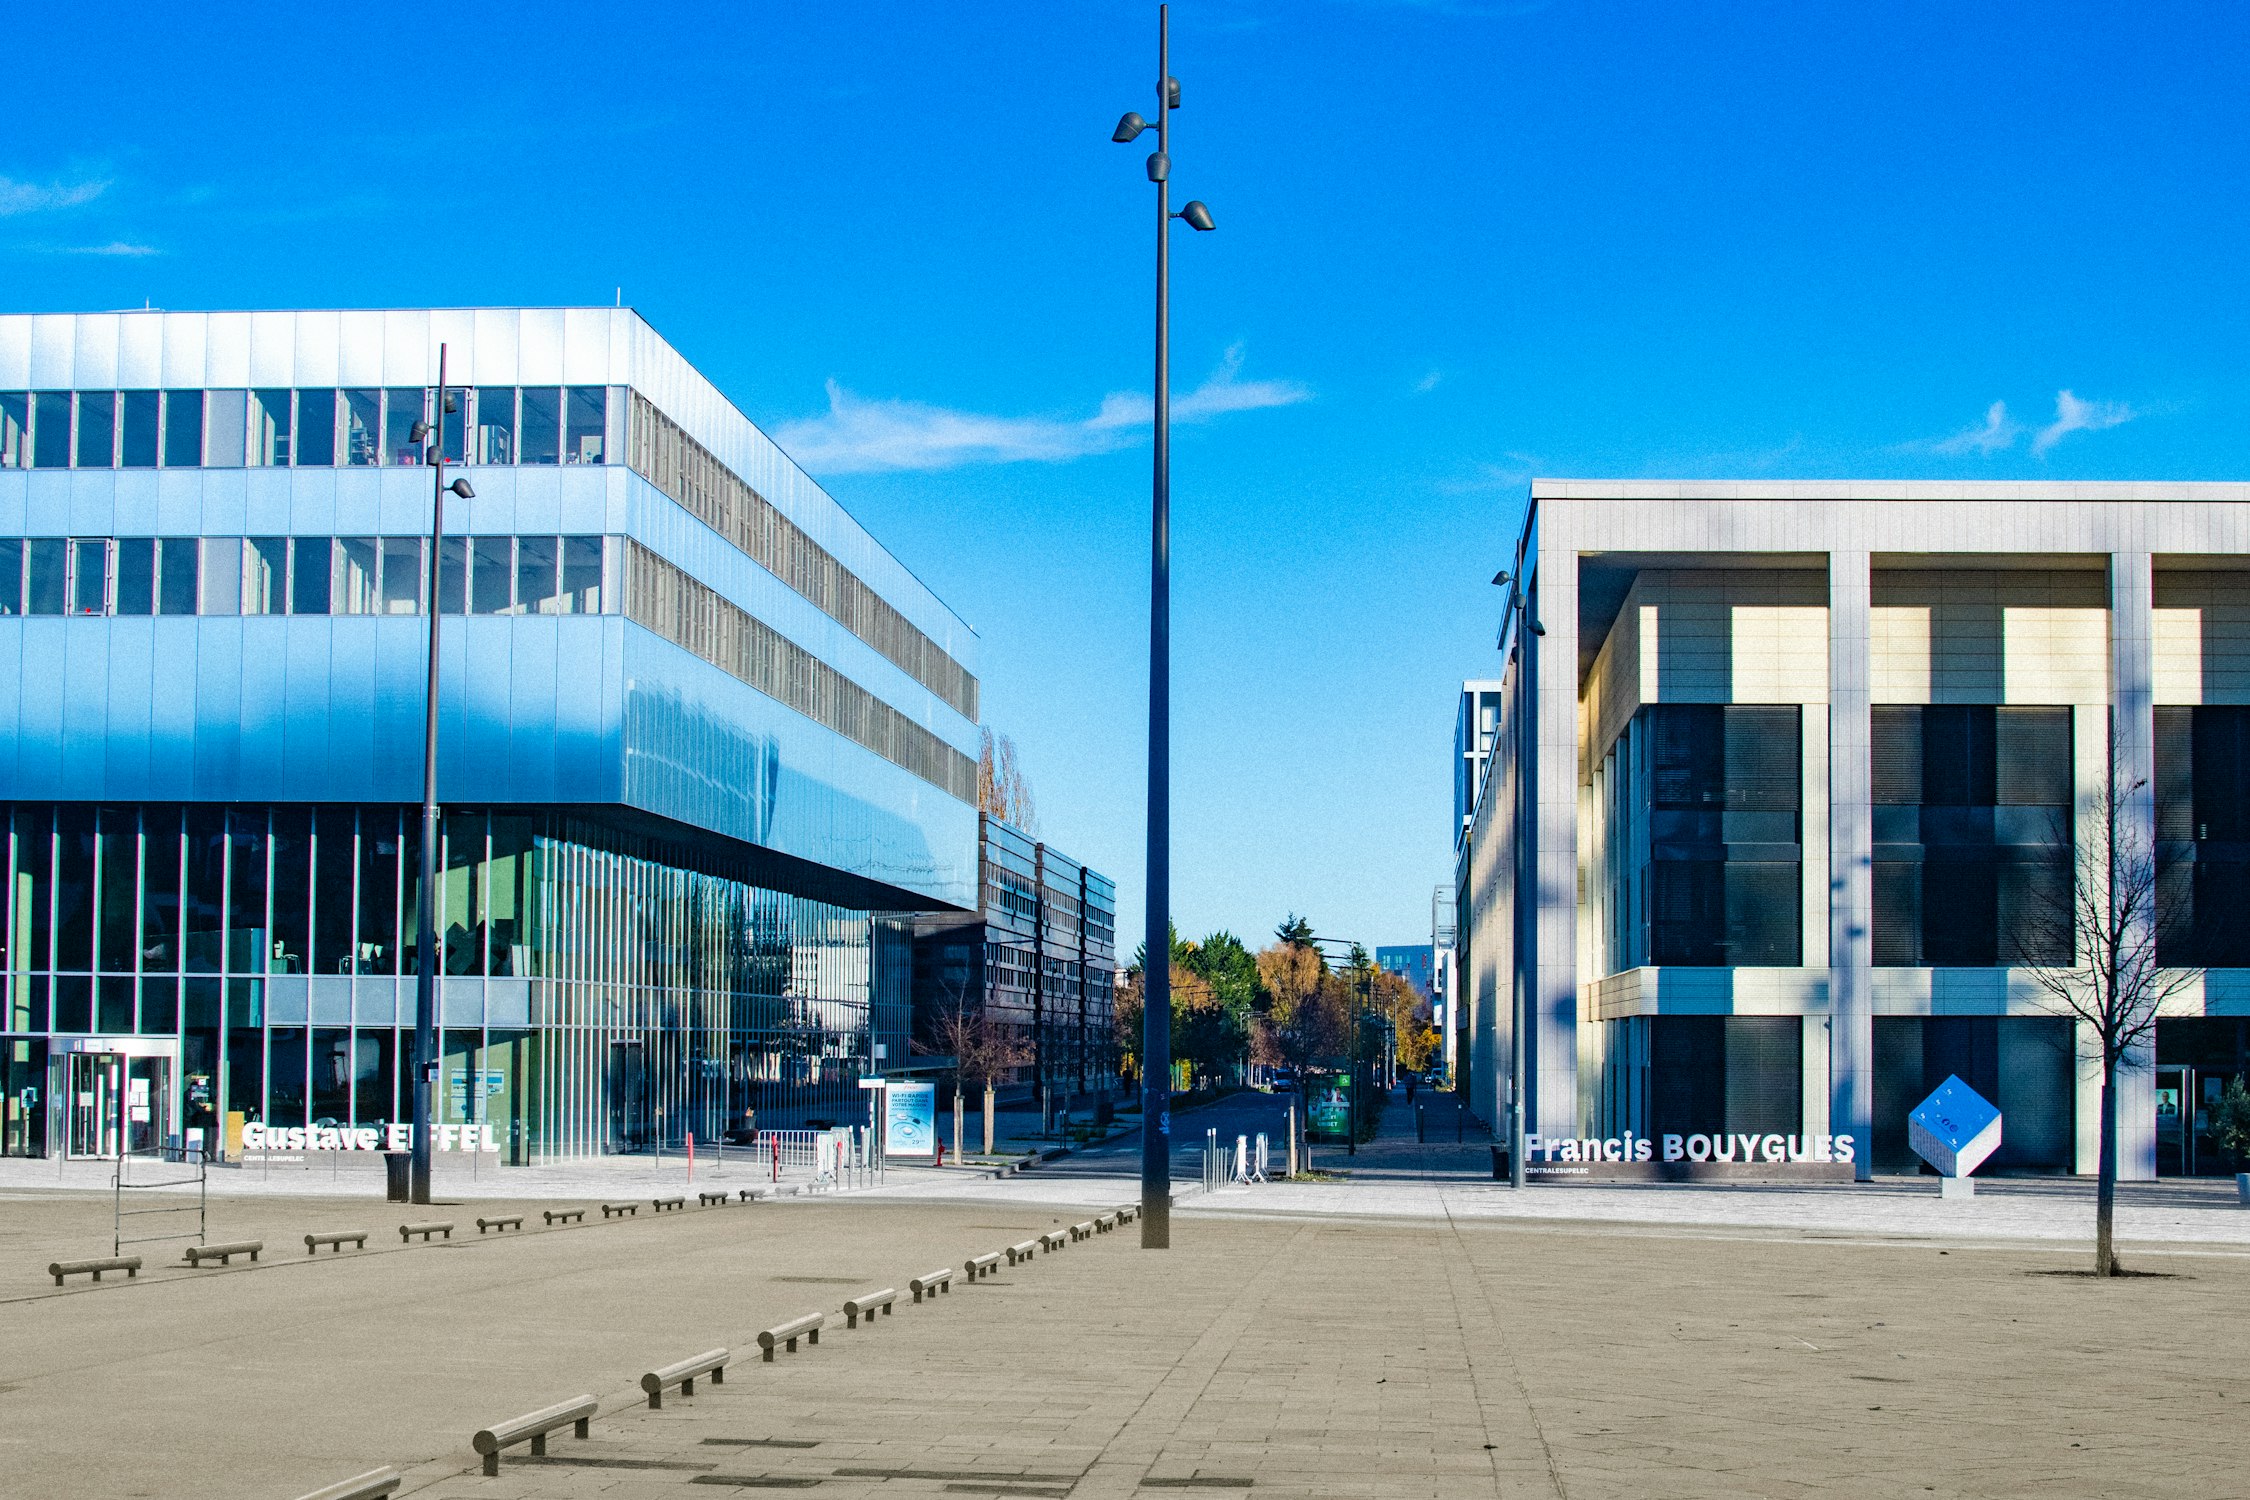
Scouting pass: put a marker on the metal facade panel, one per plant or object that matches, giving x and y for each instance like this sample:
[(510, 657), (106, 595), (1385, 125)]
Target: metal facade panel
[(226, 351), (359, 349), (273, 349), (498, 362), (409, 357), (54, 351), (181, 360), (140, 351), (94, 355), (15, 353), (318, 339)]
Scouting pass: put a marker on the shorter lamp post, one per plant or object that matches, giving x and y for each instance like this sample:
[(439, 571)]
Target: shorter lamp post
[(425, 921)]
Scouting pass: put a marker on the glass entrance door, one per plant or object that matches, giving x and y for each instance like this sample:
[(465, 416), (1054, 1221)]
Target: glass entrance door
[(628, 1097), (2187, 1101), (96, 1084), (148, 1104)]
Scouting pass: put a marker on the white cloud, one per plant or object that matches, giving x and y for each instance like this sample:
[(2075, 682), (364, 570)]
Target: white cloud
[(1996, 433), (1485, 477), (37, 197), (1428, 383), (2073, 415), (857, 435)]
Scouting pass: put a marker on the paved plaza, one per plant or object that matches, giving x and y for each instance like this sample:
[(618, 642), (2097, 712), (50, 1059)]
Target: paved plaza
[(1358, 1337)]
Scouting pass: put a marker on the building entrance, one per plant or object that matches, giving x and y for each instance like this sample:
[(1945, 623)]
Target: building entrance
[(114, 1102), (2187, 1103)]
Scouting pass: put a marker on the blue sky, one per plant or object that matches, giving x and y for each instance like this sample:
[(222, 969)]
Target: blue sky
[(1459, 244)]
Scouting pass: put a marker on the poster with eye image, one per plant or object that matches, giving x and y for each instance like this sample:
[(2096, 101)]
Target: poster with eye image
[(910, 1119)]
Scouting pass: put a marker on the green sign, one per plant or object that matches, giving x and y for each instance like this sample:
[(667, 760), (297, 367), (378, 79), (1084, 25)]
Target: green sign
[(1330, 1113)]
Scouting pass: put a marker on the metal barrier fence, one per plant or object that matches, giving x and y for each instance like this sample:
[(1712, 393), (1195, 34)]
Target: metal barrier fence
[(831, 1158), (120, 1183)]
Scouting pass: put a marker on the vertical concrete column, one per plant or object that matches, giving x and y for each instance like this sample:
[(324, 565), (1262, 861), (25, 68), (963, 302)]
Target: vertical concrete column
[(2132, 640), (1553, 1104), (1851, 858)]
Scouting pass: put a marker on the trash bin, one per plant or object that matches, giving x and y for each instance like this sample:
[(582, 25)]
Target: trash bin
[(397, 1177), (1499, 1165)]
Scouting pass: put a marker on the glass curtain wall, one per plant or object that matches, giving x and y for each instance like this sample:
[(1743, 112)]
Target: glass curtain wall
[(601, 992)]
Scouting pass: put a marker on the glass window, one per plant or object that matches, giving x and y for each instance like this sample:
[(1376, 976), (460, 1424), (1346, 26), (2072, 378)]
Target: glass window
[(292, 889), (542, 424), (285, 1075), (89, 584), (136, 448), (175, 576), (203, 902), (15, 429), (316, 428), (50, 430), (270, 428), (308, 580), (160, 1007), (74, 888), (333, 862), (453, 575), (222, 575), (402, 575), (118, 928), (535, 576), (489, 575), (136, 575), (97, 429), (378, 894), (160, 891), (456, 425), (402, 408), (363, 424), (589, 421), (265, 574), (11, 576), (581, 575), (356, 563), (246, 894), (226, 415), (183, 429), (331, 1075), (496, 424), (374, 1069)]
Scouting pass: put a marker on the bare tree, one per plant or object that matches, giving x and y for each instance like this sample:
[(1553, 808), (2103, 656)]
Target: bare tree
[(2093, 945), (1002, 788), (984, 1052)]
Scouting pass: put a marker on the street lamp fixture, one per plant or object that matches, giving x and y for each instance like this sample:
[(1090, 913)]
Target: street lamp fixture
[(432, 439), (1156, 1008)]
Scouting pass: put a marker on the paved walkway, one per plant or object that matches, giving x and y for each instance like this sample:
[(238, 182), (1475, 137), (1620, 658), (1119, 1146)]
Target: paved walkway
[(1365, 1338)]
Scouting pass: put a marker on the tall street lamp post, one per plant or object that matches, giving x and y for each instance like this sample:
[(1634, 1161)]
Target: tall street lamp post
[(432, 436), (1156, 980)]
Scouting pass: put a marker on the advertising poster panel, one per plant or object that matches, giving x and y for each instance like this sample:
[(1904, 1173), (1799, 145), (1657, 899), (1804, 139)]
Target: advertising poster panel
[(910, 1119)]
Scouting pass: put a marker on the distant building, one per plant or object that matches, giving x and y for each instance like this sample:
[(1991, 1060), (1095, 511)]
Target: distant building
[(1445, 970), (1410, 962), (1039, 956), (1473, 730)]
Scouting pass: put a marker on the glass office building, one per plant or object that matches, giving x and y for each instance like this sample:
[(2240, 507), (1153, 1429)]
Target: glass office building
[(706, 747)]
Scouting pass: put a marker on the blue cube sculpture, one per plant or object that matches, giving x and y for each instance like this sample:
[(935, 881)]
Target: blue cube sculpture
[(1954, 1129)]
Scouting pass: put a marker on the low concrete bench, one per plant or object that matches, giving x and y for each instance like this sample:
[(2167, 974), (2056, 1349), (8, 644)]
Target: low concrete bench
[(129, 1264), (712, 1200), (1083, 1231), (1105, 1223), (661, 1204), (504, 1223), (983, 1265), (711, 1362), (555, 1216), (752, 1195), (612, 1210), (1053, 1240), (806, 1328), (224, 1254), (575, 1414), (1128, 1212), (334, 1240), (406, 1232), (372, 1485), (1022, 1252), (866, 1304), (930, 1283)]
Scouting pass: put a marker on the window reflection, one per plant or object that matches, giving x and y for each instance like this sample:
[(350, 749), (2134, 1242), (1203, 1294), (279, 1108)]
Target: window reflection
[(265, 574), (97, 429), (48, 574), (11, 576), (535, 576), (402, 575), (176, 566), (137, 437), (363, 426), (496, 424), (136, 575), (356, 568), (489, 577), (316, 428), (15, 429), (542, 424), (183, 429), (581, 575), (270, 428), (589, 420), (402, 408), (222, 575), (308, 586), (456, 425), (225, 414), (50, 430), (89, 592)]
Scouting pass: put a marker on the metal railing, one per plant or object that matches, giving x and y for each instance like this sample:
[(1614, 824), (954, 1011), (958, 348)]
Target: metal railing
[(120, 1184)]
